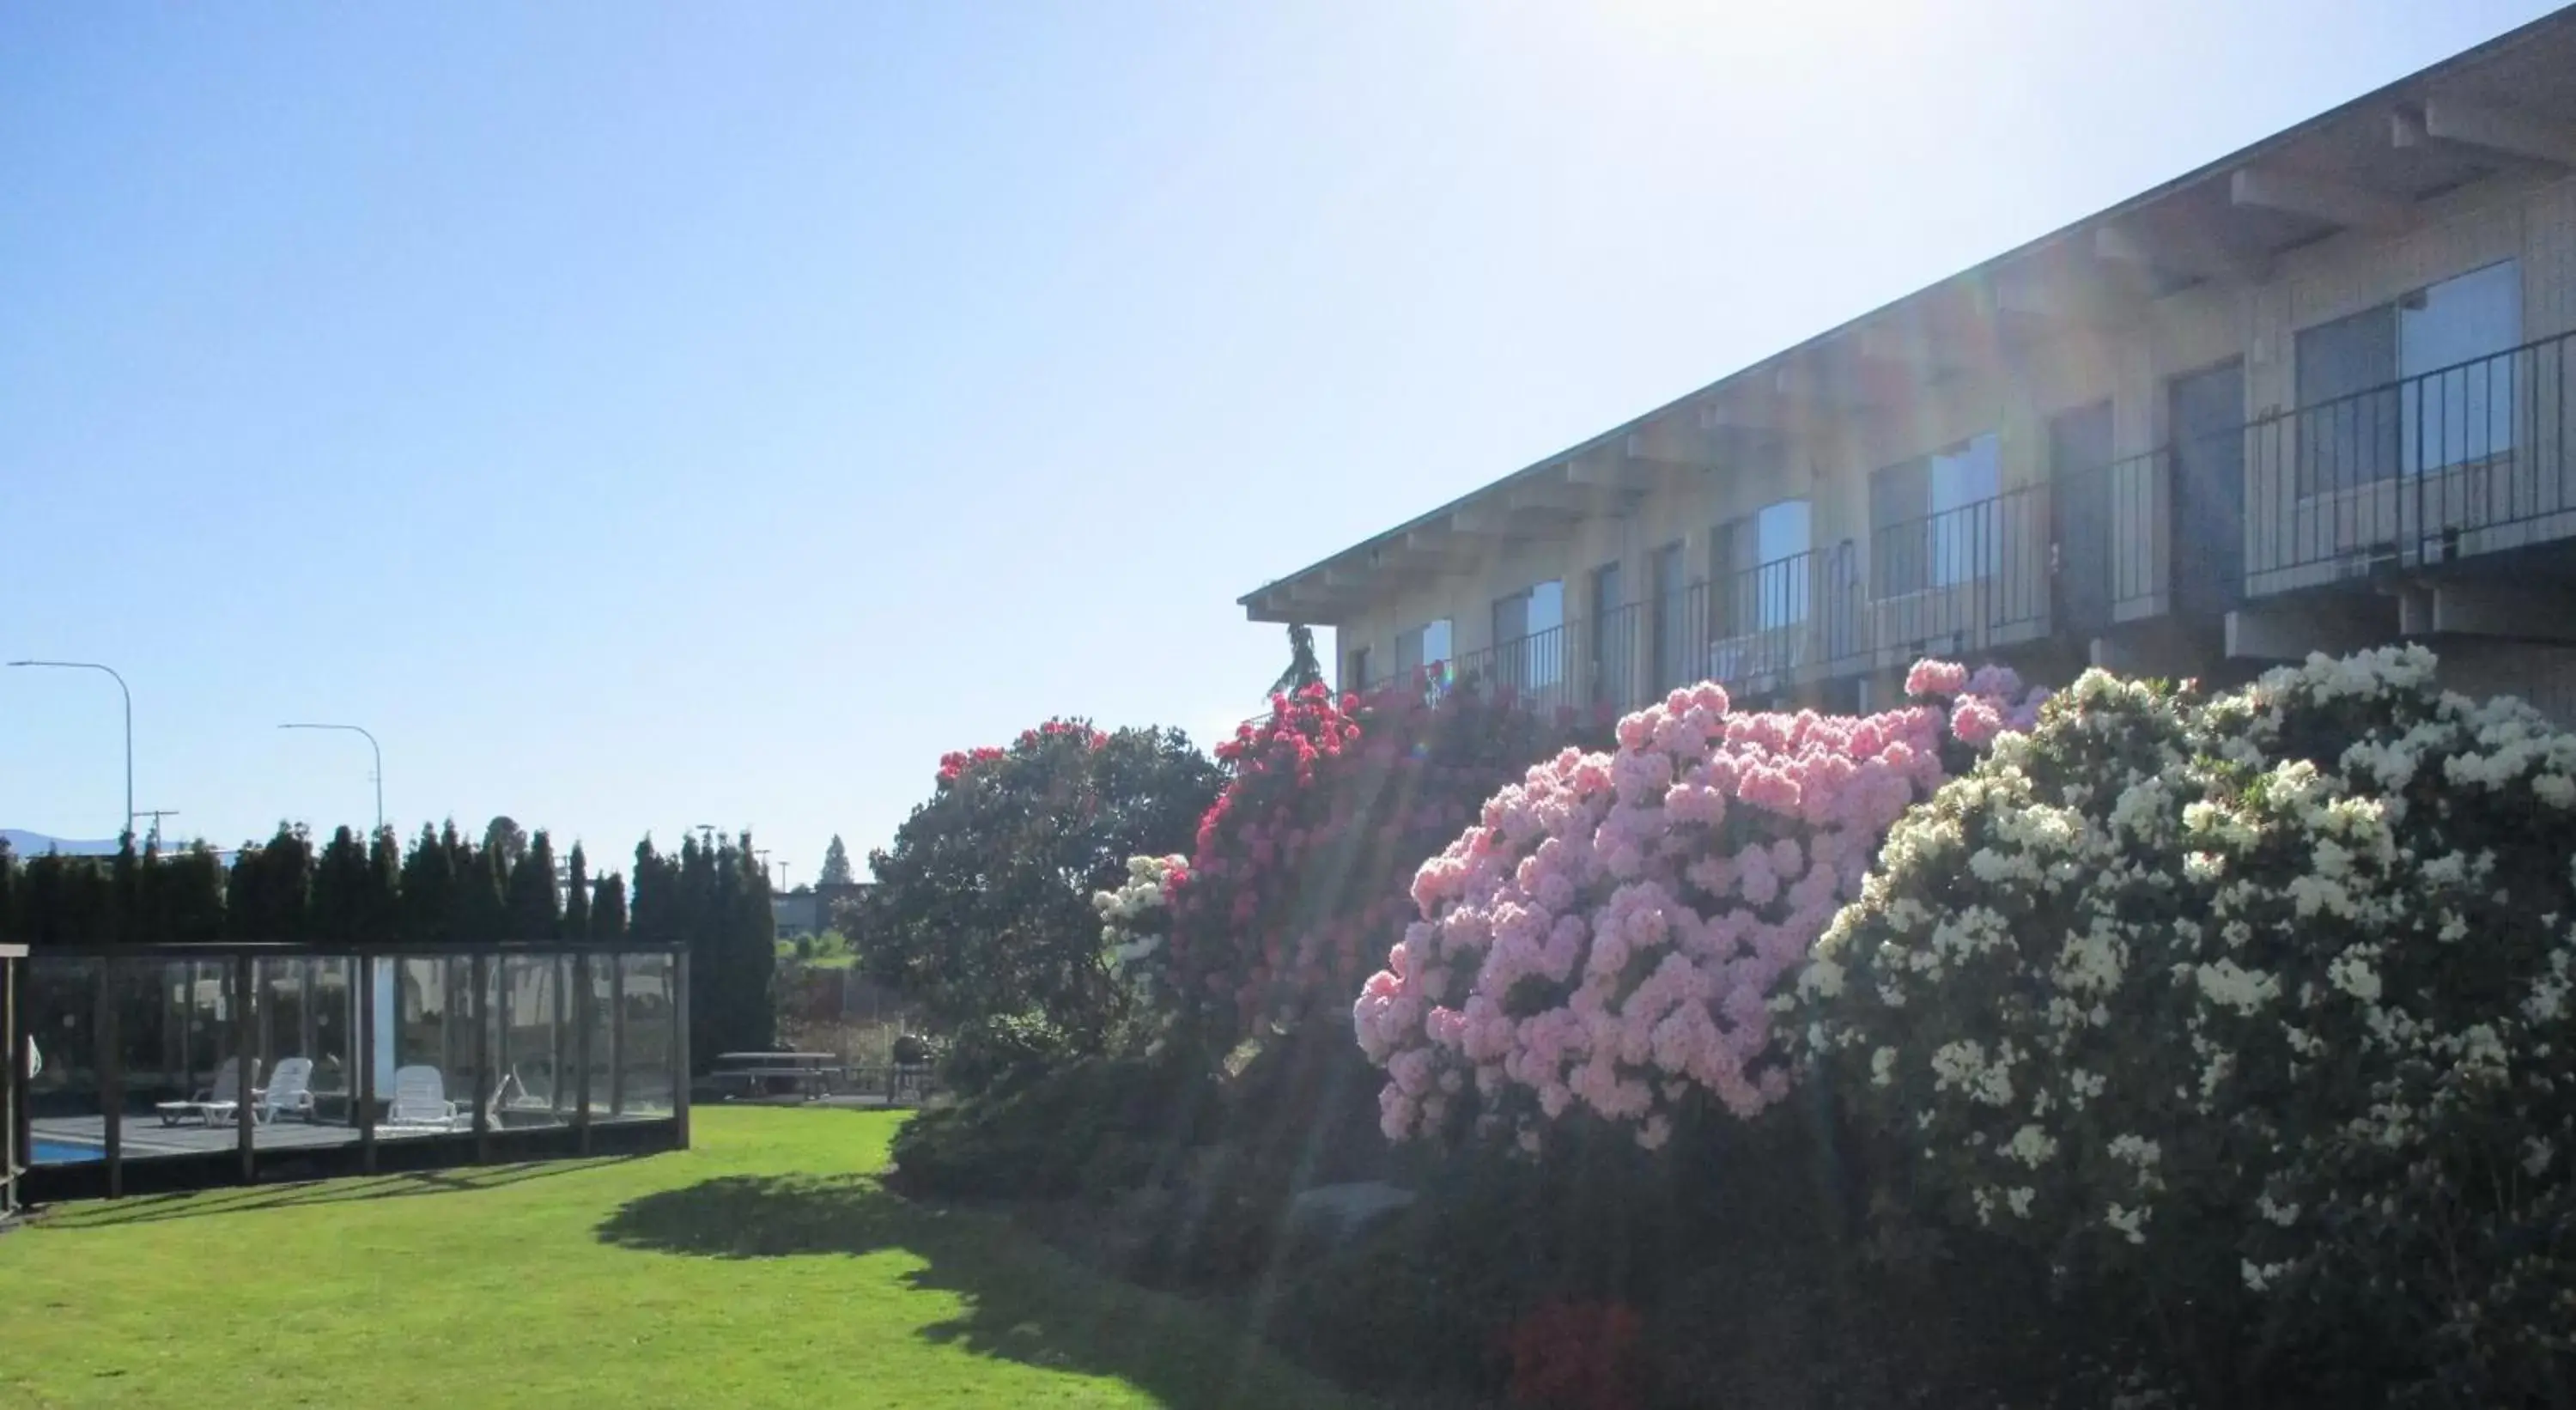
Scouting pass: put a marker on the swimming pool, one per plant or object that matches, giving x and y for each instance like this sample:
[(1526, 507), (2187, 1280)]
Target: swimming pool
[(63, 1152)]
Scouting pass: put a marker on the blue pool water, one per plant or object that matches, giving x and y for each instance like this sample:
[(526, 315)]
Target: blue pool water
[(63, 1153)]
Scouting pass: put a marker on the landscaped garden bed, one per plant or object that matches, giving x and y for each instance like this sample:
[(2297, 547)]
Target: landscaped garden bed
[(2142, 1046)]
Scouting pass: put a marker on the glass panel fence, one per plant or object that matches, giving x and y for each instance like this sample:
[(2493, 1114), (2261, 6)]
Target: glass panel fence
[(171, 1019), (425, 1054), (645, 1051), (601, 1064), (531, 1030), (63, 1101), (303, 1034)]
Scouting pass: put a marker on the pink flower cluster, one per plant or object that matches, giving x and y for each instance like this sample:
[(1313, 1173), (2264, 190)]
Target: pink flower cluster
[(1069, 729), (1609, 934), (1303, 862), (954, 764), (957, 763)]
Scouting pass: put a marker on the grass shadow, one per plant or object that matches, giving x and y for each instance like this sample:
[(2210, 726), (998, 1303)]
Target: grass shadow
[(1024, 1300), (160, 1209)]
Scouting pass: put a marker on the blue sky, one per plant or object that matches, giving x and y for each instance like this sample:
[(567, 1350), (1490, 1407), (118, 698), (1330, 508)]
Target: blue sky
[(643, 416)]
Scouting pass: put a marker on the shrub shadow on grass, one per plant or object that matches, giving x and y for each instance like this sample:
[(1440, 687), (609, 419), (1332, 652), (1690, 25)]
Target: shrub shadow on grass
[(1024, 1301), (243, 1199)]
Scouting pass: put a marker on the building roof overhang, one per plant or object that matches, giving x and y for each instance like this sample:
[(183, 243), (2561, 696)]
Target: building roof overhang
[(2370, 164)]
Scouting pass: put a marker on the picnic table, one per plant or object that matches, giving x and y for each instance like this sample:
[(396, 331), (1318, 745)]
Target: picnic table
[(775, 1074)]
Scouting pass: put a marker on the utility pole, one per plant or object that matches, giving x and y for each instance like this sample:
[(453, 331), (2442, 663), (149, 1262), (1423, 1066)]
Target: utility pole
[(156, 815)]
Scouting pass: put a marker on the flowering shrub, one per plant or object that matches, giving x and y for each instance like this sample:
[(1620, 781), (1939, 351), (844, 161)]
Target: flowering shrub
[(954, 764), (1576, 1356), (982, 907), (1609, 935), (2258, 1003), (1301, 865), (1135, 920)]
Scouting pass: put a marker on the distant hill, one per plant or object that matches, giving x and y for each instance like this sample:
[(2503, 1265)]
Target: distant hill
[(36, 844)]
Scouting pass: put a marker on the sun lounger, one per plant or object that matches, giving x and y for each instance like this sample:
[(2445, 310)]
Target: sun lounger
[(290, 1089), (420, 1101), (220, 1101)]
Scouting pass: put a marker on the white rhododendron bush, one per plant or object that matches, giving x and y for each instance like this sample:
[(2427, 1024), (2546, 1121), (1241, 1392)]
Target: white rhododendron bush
[(1606, 940), (2255, 1005)]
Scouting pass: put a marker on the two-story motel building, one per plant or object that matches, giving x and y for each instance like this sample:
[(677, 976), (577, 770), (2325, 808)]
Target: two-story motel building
[(2318, 395)]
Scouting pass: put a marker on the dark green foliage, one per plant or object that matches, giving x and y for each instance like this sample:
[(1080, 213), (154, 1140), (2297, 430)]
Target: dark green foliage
[(508, 841), (1095, 1126), (983, 904), (530, 901), (576, 914), (608, 908), (180, 898), (353, 896), (836, 865), (1002, 1051), (268, 896), (714, 898), (351, 890), (1304, 668), (429, 887), (483, 884), (67, 901)]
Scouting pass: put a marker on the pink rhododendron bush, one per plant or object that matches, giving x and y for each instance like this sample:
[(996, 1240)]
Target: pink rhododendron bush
[(1609, 936), (2257, 1009)]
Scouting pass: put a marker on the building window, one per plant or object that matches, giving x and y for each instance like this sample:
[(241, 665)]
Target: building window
[(1613, 636), (1759, 569), (1671, 618), (1935, 520), (1423, 650), (2423, 383), (1529, 643), (1358, 677)]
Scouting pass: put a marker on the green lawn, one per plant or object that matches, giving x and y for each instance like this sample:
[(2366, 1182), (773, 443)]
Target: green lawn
[(765, 1267)]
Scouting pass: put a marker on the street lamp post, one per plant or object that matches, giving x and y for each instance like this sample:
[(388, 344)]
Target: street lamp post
[(378, 776), (129, 721)]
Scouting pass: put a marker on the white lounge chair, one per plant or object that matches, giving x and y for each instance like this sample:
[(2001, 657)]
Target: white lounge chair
[(420, 1101), (219, 1101), (290, 1089)]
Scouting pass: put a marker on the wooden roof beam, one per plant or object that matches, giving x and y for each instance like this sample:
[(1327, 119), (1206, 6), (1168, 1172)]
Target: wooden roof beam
[(2317, 197), (2502, 132), (2194, 255)]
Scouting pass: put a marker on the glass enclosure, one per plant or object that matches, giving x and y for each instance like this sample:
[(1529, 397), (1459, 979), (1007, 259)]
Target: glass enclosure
[(166, 1068), (646, 1030)]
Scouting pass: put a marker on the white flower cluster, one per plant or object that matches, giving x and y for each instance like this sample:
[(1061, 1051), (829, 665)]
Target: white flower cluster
[(1132, 914), (2300, 950)]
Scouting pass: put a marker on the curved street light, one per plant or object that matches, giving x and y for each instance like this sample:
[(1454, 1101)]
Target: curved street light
[(378, 775), (129, 721)]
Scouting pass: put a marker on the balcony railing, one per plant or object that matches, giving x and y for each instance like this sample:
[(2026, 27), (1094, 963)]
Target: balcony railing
[(2475, 458), (1538, 668), (1971, 576), (1767, 625), (2472, 459), (2108, 543)]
